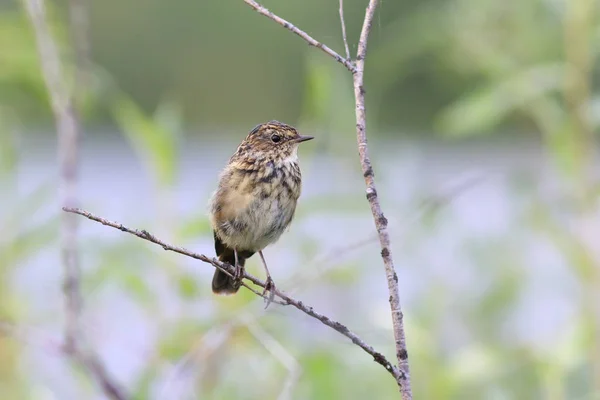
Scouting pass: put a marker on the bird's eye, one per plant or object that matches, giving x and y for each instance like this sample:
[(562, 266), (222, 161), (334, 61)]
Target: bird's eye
[(276, 138)]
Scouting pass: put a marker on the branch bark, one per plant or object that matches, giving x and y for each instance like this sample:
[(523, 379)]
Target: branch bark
[(357, 69), (68, 131), (380, 221), (343, 23), (67, 128), (309, 39), (79, 30), (284, 299)]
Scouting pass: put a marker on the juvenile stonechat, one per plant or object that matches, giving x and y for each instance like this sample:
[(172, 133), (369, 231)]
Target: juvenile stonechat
[(255, 200)]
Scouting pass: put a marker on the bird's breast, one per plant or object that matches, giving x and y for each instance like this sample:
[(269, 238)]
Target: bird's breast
[(253, 207)]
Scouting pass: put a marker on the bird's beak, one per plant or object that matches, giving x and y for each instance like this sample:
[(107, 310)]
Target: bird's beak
[(304, 138)]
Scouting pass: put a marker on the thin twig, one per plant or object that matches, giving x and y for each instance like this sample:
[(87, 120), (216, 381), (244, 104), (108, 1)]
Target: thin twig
[(79, 32), (278, 352), (91, 363), (95, 367), (343, 23), (67, 128), (205, 346), (380, 220), (286, 300), (31, 336), (330, 259), (68, 131), (346, 62)]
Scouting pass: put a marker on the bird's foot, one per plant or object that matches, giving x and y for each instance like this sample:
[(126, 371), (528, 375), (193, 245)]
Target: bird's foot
[(238, 273), (270, 288)]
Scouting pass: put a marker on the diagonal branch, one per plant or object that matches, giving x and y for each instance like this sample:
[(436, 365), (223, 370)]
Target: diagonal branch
[(279, 353), (346, 62), (30, 336), (380, 220), (357, 70), (285, 299), (68, 132)]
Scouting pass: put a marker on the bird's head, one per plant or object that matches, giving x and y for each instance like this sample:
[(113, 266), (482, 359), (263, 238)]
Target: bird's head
[(274, 140)]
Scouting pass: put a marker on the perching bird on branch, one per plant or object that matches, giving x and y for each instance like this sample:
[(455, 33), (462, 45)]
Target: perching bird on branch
[(255, 200)]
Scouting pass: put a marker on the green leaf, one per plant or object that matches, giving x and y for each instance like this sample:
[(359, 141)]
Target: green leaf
[(346, 274), (188, 287), (27, 243), (195, 227), (143, 387), (154, 142), (487, 107), (332, 203), (9, 155), (318, 87), (168, 115), (180, 341), (126, 268), (19, 59)]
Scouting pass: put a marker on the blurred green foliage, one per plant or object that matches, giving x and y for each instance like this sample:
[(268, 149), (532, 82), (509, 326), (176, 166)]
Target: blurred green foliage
[(459, 67), (21, 238), (455, 66)]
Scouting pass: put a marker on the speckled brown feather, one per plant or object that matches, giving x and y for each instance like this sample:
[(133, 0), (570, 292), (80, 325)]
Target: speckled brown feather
[(257, 195)]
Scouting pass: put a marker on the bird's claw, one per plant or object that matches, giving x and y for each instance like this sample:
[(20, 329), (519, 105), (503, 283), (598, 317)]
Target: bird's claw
[(269, 287), (239, 273)]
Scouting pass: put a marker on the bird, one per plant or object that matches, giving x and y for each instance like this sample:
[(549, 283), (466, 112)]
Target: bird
[(255, 200)]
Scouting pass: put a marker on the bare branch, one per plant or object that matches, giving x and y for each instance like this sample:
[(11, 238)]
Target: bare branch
[(202, 349), (285, 299), (343, 23), (96, 368), (330, 259), (68, 131), (79, 30), (278, 352), (403, 378), (346, 62), (67, 127), (31, 336), (380, 220)]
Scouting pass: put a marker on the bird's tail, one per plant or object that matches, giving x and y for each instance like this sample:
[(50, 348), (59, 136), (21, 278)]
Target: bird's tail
[(222, 283)]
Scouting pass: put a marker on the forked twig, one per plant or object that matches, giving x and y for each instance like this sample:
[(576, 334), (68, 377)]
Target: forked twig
[(380, 221), (357, 68), (309, 39)]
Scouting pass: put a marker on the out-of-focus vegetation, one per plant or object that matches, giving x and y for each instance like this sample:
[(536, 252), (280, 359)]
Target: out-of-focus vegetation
[(458, 68)]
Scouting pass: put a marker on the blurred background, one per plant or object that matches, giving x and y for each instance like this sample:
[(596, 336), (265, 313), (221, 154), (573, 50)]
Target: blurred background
[(482, 121)]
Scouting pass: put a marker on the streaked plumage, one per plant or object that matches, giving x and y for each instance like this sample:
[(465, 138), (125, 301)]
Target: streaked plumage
[(256, 197)]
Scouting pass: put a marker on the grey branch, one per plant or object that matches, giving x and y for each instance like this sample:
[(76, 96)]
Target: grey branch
[(36, 337), (380, 220), (68, 131), (357, 68), (67, 128), (309, 39), (343, 23), (283, 298), (79, 32)]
